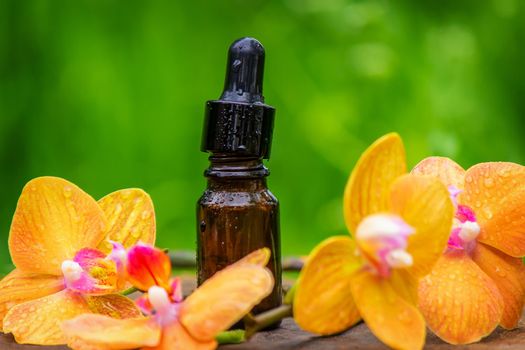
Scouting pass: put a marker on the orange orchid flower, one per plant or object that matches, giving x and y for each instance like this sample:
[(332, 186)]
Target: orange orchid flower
[(60, 244), (400, 224), (174, 323), (479, 282)]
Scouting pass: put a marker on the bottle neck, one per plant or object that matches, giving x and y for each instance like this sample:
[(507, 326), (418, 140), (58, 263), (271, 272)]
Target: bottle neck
[(226, 169)]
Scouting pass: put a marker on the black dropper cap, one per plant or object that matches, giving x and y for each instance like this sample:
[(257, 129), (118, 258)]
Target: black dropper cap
[(239, 123)]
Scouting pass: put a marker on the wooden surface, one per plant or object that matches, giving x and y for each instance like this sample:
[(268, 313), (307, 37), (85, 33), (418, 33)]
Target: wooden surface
[(290, 337)]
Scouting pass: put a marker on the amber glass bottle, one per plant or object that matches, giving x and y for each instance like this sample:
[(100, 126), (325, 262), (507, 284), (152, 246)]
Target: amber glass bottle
[(237, 214)]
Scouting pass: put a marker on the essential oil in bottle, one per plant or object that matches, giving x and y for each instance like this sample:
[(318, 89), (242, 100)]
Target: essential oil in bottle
[(237, 213)]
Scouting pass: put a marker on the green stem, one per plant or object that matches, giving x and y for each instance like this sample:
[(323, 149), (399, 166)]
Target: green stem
[(253, 324), (288, 298), (231, 337), (129, 291)]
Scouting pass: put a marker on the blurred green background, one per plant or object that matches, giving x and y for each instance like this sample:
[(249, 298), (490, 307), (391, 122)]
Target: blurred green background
[(110, 94)]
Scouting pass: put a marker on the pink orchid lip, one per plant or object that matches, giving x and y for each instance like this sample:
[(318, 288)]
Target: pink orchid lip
[(144, 305), (78, 280), (454, 242), (175, 296), (465, 230), (86, 257), (176, 290), (165, 310), (161, 303), (90, 273)]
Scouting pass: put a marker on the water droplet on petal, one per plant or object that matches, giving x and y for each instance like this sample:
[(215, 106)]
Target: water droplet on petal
[(118, 208), (501, 272), (404, 316), (67, 191), (503, 173), (126, 194), (440, 302)]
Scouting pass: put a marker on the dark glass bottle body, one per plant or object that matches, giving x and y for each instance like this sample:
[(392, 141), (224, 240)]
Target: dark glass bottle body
[(236, 215)]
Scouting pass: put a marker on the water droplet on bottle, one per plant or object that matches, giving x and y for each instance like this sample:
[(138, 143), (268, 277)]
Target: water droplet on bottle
[(202, 226), (236, 65)]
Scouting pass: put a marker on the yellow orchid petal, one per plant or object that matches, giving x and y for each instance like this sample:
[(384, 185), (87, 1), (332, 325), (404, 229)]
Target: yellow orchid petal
[(425, 204), (130, 216), (224, 299), (323, 303), (496, 193), (461, 304), (258, 257), (113, 305), (405, 285), (445, 169), (38, 321), (89, 331), (19, 287), (53, 220), (392, 319), (175, 337), (368, 187), (509, 275)]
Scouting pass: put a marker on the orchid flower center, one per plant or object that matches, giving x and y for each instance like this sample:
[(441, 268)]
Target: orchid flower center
[(91, 272), (465, 228), (165, 310), (383, 240)]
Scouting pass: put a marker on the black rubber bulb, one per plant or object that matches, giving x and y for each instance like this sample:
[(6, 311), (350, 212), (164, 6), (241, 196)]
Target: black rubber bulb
[(244, 72), (239, 122)]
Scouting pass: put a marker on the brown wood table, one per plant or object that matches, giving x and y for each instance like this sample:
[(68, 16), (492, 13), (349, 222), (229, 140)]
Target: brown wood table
[(290, 337)]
